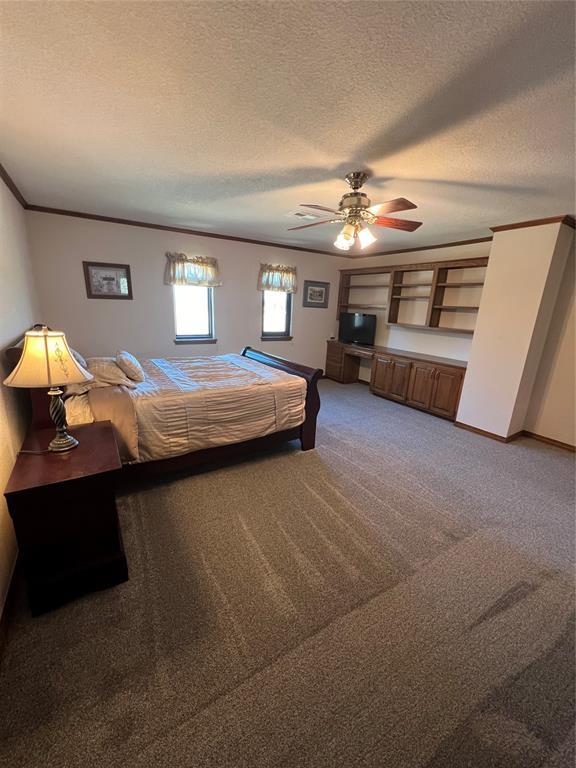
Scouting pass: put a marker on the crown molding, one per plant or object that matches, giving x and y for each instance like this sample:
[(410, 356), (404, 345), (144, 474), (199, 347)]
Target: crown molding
[(566, 219), (11, 184)]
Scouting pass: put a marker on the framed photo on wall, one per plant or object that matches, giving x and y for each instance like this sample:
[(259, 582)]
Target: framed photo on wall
[(107, 281), (316, 294)]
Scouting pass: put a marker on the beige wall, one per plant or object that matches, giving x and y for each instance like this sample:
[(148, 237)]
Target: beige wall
[(17, 314), (522, 283), (145, 326), (552, 411)]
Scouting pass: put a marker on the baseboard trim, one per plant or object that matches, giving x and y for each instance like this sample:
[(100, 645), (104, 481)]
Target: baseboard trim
[(484, 433), (550, 441), (515, 436)]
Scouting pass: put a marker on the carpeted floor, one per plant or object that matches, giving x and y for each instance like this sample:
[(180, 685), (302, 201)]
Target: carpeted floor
[(401, 598)]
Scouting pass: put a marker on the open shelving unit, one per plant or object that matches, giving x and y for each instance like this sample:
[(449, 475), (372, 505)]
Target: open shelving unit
[(439, 296)]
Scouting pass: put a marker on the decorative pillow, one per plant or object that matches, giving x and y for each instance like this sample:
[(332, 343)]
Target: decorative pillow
[(129, 365), (106, 374)]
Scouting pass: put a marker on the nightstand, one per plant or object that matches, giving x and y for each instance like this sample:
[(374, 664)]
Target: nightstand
[(64, 510)]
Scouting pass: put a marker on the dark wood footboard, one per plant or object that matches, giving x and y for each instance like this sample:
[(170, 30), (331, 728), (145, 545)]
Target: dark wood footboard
[(308, 428)]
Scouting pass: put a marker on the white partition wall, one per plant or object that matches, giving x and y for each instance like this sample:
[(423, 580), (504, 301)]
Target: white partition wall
[(522, 282)]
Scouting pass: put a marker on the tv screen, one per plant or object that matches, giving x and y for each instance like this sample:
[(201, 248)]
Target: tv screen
[(357, 328)]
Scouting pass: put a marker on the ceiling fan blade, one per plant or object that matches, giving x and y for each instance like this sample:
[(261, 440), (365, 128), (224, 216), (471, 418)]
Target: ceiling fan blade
[(407, 226), (321, 208), (399, 204), (314, 224)]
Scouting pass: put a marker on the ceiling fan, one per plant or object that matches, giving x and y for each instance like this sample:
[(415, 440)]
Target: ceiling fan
[(356, 212)]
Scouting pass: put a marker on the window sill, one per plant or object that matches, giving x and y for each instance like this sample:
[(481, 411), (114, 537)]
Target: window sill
[(192, 340), (276, 338)]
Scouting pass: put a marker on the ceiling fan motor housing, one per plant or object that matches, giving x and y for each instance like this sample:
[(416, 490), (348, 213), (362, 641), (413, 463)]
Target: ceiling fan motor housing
[(355, 206), (355, 200)]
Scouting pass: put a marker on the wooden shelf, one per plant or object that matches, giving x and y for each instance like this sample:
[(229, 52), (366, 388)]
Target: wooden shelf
[(443, 329), (366, 306), (458, 285), (379, 285), (412, 285), (411, 325), (448, 308), (410, 298)]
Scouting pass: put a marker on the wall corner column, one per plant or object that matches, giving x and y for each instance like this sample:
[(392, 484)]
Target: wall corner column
[(523, 277)]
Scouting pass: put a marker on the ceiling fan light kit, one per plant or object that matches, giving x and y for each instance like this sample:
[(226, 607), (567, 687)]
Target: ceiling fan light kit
[(356, 212)]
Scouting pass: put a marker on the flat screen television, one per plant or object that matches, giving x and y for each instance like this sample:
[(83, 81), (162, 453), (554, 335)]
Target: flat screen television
[(357, 328)]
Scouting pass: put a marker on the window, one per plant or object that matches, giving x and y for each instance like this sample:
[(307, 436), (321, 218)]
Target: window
[(193, 312), (276, 315)]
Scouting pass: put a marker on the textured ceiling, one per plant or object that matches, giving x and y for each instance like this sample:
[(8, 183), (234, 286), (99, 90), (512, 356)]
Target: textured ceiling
[(225, 116)]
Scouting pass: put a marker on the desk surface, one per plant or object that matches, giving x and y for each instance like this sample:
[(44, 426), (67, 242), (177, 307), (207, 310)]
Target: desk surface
[(361, 351)]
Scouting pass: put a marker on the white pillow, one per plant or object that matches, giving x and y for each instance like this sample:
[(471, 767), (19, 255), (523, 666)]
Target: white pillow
[(129, 365)]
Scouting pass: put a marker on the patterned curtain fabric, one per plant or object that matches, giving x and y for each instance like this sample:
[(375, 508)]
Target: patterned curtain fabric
[(277, 277), (191, 270)]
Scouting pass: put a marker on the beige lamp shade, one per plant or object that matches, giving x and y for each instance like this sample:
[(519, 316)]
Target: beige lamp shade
[(46, 361)]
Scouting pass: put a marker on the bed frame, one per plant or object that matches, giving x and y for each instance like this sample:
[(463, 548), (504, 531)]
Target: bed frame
[(306, 432)]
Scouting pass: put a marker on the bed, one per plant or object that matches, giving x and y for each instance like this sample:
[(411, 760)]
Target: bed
[(200, 410)]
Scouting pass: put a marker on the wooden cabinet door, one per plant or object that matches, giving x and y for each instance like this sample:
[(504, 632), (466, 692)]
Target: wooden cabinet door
[(399, 378), (420, 385), (446, 388), (379, 378)]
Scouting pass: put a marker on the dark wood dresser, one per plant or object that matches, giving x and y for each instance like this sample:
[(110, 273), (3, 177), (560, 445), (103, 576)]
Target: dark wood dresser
[(64, 511), (430, 383)]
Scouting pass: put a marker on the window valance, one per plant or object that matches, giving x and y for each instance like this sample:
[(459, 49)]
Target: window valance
[(182, 269), (277, 277)]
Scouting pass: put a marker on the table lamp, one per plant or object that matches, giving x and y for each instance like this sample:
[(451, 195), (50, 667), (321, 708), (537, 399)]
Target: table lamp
[(46, 361)]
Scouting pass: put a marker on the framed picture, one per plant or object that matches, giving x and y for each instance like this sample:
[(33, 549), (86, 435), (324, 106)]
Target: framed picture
[(107, 281), (316, 294)]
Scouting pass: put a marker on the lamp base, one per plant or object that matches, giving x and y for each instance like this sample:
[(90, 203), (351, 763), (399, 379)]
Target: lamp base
[(63, 441)]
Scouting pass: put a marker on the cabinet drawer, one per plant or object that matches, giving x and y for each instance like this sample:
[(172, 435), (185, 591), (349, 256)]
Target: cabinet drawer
[(334, 351), (334, 370), (363, 353)]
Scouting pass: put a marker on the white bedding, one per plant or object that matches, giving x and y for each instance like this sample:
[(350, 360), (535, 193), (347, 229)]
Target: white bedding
[(187, 404)]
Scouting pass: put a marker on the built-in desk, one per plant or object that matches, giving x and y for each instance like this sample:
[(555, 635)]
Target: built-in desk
[(427, 382)]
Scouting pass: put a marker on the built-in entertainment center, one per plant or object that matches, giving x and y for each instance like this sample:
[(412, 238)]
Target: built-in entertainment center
[(441, 297)]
